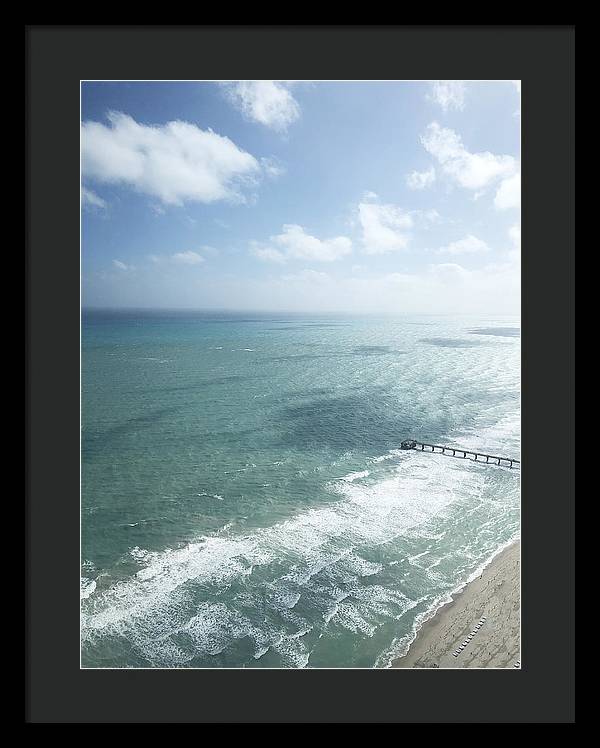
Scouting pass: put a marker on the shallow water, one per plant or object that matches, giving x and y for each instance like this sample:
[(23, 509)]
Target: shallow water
[(244, 503)]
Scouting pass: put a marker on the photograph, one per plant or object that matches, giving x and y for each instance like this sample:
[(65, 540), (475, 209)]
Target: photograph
[(300, 374)]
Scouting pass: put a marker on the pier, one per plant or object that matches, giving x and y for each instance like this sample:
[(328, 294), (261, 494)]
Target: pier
[(463, 453)]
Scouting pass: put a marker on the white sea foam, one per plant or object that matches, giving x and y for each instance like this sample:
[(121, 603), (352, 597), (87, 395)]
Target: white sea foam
[(212, 628), (410, 559), (150, 608), (389, 455), (211, 495), (356, 476), (87, 587), (139, 554), (293, 651), (363, 609)]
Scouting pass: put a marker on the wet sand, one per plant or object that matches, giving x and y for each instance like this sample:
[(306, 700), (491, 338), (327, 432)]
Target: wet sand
[(495, 596)]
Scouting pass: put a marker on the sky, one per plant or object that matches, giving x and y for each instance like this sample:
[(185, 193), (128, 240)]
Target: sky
[(394, 197)]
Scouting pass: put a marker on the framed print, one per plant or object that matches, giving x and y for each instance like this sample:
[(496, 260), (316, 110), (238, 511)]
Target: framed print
[(293, 346)]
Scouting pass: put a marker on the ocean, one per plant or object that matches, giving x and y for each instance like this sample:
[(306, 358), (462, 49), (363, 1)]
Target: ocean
[(245, 503)]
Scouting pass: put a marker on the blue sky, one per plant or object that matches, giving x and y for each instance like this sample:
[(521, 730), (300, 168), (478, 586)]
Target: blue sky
[(392, 197)]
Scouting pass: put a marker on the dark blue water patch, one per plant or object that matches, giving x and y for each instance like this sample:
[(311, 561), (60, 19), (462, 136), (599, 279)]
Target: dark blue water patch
[(372, 418), (451, 342), (373, 388), (501, 332), (372, 349), (309, 393), (313, 356), (284, 327), (301, 357), (376, 350), (98, 442), (364, 350), (353, 422), (204, 383)]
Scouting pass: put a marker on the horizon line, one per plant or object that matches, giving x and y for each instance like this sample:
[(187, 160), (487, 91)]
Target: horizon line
[(230, 310)]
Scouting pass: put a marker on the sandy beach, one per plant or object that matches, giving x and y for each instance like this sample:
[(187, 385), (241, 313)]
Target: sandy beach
[(485, 615)]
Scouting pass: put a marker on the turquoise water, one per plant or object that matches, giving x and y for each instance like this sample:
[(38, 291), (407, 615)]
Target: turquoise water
[(244, 503)]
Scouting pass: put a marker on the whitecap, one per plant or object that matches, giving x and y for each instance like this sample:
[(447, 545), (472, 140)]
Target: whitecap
[(88, 587), (355, 476)]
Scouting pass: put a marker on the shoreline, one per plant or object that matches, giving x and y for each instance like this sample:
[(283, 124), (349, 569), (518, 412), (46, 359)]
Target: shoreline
[(494, 596)]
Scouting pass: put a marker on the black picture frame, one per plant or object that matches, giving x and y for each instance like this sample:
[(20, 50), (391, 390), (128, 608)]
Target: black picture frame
[(57, 58)]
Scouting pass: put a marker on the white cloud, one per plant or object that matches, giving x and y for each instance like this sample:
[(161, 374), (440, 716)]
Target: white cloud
[(426, 217), (517, 85), (449, 94), (469, 245), (306, 276), (175, 162), (295, 243), (418, 180), (272, 167), (444, 288), (398, 279), (385, 228), (187, 258), (90, 199), (509, 193), (473, 171), (267, 254), (515, 236), (122, 265), (450, 274), (210, 251), (369, 195), (268, 102)]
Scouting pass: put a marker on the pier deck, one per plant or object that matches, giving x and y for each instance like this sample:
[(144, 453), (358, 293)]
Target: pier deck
[(459, 452)]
